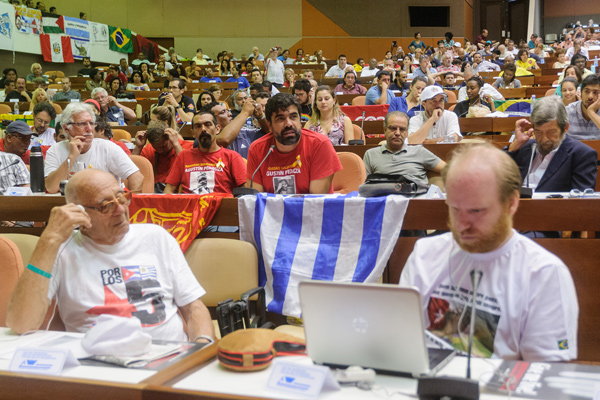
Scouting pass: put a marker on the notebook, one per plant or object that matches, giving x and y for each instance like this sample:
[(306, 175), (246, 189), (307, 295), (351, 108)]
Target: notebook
[(371, 325)]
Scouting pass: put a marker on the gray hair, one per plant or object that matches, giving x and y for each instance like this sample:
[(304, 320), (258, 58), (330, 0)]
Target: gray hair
[(395, 114), (73, 109), (234, 97), (547, 109), (98, 90)]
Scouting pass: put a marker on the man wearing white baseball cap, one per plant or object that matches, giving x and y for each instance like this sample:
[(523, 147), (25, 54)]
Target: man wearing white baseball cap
[(434, 124)]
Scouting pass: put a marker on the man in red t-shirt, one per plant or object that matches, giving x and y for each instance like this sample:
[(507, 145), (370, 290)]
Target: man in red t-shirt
[(209, 168), (162, 149), (301, 161)]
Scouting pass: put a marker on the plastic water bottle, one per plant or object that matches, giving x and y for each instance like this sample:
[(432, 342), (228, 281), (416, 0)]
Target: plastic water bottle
[(121, 117), (594, 67), (16, 109), (36, 170), (532, 103)]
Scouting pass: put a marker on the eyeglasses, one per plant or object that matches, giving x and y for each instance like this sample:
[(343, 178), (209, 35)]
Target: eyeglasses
[(83, 124), (42, 122), (24, 138), (576, 193), (123, 198)]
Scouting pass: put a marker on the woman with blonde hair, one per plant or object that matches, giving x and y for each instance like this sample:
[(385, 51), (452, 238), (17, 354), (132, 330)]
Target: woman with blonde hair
[(166, 114), (327, 117), (289, 78), (39, 95)]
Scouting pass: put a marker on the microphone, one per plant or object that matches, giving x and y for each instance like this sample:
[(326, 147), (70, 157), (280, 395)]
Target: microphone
[(15, 162), (359, 141), (240, 191), (526, 192), (362, 123), (437, 387), (475, 279)]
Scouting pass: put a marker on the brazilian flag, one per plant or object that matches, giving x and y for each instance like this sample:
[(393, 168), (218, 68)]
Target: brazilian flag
[(120, 40), (517, 106)]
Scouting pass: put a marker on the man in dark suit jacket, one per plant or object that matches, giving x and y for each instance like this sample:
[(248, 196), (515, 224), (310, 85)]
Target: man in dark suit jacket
[(559, 163)]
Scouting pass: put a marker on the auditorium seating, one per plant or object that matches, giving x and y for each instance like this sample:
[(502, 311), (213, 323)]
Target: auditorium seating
[(226, 268), (351, 176), (12, 268), (146, 169), (25, 243)]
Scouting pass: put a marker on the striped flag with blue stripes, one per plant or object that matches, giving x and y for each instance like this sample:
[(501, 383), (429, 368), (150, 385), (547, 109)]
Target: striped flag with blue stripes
[(343, 238)]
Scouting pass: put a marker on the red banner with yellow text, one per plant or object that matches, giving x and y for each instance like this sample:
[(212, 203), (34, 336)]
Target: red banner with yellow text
[(184, 216), (371, 113)]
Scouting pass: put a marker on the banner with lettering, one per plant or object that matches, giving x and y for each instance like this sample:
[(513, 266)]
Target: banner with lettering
[(28, 20), (79, 30), (371, 113), (184, 216), (7, 26), (99, 33)]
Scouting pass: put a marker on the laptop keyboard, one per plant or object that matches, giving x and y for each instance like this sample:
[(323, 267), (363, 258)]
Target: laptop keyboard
[(436, 356)]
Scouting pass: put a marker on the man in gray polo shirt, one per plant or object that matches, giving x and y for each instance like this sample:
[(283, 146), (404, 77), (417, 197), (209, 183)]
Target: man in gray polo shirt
[(584, 120), (396, 157)]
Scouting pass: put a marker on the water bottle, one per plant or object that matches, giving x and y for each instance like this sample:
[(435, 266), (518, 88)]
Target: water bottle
[(36, 170), (532, 103), (121, 117), (16, 109)]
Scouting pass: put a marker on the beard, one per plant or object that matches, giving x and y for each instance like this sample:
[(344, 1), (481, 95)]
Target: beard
[(487, 241), (288, 140), (205, 140), (546, 148)]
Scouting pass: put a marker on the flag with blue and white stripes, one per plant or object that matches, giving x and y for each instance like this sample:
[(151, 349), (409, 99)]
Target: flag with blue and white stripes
[(343, 238)]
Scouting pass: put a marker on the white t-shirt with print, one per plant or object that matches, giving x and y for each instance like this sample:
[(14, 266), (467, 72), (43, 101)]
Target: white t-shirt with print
[(103, 155), (144, 275), (527, 306)]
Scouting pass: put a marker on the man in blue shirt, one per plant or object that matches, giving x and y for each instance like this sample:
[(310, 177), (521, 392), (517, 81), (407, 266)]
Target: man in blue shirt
[(241, 81), (380, 94), (210, 76)]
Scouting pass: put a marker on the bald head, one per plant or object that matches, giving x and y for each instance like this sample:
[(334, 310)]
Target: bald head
[(85, 183)]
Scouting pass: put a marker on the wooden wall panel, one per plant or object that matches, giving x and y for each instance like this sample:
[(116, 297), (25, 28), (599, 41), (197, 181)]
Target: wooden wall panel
[(558, 8)]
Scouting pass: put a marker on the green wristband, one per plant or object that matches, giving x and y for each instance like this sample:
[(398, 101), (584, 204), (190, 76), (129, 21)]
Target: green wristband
[(39, 271)]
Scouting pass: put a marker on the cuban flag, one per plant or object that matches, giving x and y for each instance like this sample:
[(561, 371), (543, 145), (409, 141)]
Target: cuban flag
[(344, 238)]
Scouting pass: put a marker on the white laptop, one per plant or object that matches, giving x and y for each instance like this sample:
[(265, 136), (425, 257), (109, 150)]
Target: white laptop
[(371, 325)]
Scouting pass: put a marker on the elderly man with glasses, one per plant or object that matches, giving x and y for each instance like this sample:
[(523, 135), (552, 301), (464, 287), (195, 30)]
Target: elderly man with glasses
[(108, 267), (17, 139), (82, 151)]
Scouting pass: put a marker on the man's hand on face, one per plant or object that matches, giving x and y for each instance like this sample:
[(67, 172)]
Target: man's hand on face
[(436, 114), (172, 135), (63, 220), (140, 139), (593, 108), (112, 101), (76, 145), (523, 132), (171, 100)]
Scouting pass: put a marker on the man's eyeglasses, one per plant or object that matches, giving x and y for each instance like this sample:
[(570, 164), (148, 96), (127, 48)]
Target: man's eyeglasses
[(123, 198), (42, 122), (24, 138)]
